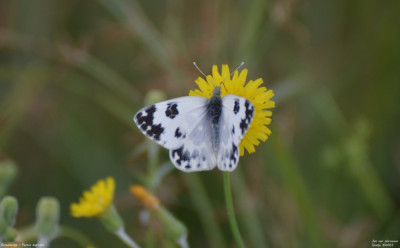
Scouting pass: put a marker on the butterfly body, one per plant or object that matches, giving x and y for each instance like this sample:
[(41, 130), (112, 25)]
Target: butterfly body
[(214, 109), (199, 132)]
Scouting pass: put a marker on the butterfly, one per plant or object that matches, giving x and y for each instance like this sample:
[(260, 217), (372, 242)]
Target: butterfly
[(199, 132)]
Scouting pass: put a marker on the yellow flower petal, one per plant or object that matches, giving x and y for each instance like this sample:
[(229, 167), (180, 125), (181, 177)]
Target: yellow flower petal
[(95, 201), (260, 97)]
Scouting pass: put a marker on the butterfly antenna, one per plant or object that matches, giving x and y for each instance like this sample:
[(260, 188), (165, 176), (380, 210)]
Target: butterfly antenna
[(202, 73), (237, 68)]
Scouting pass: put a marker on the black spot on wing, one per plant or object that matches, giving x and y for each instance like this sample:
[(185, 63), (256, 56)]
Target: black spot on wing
[(229, 157), (233, 156), (172, 110), (181, 157), (245, 122), (144, 120), (236, 108), (178, 134)]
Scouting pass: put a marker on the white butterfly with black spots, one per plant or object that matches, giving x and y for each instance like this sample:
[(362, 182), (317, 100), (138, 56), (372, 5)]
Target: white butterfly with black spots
[(199, 132)]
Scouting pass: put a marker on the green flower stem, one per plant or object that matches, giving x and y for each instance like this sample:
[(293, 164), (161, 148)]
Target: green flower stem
[(231, 211)]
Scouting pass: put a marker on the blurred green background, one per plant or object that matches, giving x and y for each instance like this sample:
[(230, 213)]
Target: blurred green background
[(73, 73)]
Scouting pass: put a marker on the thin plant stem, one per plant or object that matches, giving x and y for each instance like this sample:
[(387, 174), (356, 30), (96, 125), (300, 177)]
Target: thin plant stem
[(231, 211)]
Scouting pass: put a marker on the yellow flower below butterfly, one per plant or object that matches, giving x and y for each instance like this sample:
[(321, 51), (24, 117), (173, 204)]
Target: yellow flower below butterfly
[(258, 95), (95, 201), (98, 202)]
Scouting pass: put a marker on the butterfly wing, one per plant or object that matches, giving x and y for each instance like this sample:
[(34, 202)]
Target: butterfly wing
[(169, 122), (237, 115), (195, 153), (182, 126)]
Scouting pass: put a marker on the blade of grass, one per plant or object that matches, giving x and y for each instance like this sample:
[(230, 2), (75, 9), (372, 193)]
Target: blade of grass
[(204, 209), (295, 184), (73, 57), (361, 166), (253, 21), (249, 216), (26, 88), (133, 17), (119, 109), (101, 72)]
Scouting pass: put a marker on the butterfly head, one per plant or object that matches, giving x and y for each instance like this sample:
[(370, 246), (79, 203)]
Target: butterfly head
[(217, 91)]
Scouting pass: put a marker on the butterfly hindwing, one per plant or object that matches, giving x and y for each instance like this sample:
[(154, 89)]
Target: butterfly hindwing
[(236, 117), (169, 122), (196, 153)]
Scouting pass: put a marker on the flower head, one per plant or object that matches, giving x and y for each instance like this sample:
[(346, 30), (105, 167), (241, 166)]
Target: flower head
[(96, 200), (258, 96), (149, 200)]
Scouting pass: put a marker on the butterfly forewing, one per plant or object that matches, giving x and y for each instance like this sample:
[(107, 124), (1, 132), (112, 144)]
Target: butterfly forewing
[(237, 115), (168, 123)]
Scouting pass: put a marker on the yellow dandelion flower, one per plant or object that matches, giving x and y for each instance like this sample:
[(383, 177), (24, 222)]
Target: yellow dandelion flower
[(96, 200), (149, 200), (260, 97)]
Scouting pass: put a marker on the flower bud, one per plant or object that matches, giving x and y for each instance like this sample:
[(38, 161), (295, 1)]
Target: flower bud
[(8, 172), (47, 217), (173, 227), (8, 210), (149, 200)]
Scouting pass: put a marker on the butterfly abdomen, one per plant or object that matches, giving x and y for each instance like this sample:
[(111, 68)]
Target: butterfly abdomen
[(214, 113)]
